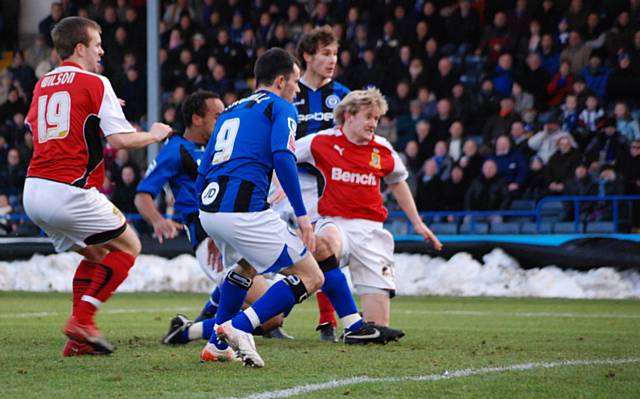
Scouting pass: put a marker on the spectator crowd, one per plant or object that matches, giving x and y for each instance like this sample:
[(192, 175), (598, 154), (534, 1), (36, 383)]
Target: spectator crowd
[(489, 101)]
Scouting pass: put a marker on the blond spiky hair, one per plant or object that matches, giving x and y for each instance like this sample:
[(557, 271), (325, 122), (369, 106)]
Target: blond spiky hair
[(358, 99)]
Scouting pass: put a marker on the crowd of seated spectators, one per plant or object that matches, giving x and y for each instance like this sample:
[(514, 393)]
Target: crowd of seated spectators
[(489, 101)]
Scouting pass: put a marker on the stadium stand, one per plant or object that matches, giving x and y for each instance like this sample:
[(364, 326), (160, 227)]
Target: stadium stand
[(438, 62)]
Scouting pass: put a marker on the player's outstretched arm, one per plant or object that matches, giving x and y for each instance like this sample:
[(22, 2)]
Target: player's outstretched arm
[(132, 140), (162, 228), (402, 194)]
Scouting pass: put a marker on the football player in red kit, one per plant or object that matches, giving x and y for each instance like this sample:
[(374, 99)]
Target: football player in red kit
[(353, 161), (73, 108)]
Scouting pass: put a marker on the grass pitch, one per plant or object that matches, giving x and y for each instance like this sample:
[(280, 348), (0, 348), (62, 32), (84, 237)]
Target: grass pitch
[(451, 334)]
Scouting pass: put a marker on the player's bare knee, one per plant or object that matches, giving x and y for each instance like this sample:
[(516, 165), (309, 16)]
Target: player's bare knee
[(328, 242), (272, 323), (93, 253), (314, 280), (135, 248), (245, 269), (323, 248)]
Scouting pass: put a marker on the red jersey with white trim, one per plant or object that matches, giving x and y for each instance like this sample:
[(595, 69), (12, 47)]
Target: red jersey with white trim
[(71, 111), (352, 173)]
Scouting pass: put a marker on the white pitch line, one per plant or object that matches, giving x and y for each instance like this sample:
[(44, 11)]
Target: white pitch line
[(106, 311), (522, 314), (302, 389)]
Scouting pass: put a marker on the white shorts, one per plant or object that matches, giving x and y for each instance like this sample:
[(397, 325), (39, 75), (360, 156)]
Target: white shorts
[(309, 189), (261, 238), (367, 248), (202, 256), (72, 217)]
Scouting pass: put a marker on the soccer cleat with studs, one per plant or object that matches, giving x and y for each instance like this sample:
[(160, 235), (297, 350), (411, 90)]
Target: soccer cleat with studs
[(391, 334), (210, 353), (242, 342), (277, 333), (371, 333), (176, 327), (87, 334), (77, 348), (327, 332)]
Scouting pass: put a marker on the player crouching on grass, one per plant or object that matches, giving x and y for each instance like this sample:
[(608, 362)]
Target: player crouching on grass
[(350, 231)]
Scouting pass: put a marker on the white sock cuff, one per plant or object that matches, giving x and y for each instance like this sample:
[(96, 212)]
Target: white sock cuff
[(252, 316), (195, 331), (351, 319), (94, 301)]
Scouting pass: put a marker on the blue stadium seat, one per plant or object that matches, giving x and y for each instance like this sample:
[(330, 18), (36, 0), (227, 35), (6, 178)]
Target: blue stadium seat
[(599, 227), (567, 228), (523, 205), (530, 228), (480, 228), (397, 226), (444, 228), (505, 228), (552, 211)]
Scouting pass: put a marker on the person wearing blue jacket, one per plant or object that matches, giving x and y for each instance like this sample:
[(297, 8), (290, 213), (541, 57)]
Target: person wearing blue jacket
[(511, 164), (596, 75)]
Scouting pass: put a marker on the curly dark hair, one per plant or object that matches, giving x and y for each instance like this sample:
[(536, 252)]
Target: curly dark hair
[(310, 42)]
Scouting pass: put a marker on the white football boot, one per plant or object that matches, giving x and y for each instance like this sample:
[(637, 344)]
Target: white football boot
[(241, 342), (212, 354)]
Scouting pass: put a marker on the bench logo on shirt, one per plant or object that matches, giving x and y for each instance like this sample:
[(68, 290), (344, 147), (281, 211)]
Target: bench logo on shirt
[(375, 159), (340, 175)]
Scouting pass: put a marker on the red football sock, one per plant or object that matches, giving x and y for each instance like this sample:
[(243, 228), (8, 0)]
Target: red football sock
[(81, 281), (326, 309), (107, 277)]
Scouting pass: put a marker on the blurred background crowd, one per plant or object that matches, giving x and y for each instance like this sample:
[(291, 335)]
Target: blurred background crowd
[(491, 102)]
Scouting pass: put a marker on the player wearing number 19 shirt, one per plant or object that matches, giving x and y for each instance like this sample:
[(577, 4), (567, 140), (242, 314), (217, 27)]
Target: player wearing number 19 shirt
[(252, 138), (73, 108)]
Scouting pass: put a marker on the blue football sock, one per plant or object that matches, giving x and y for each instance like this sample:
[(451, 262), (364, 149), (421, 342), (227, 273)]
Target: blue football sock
[(280, 298), (337, 290), (214, 300), (233, 292), (184, 336), (207, 328), (210, 307)]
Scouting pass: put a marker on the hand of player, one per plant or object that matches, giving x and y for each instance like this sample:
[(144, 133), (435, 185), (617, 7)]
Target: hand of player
[(428, 235), (160, 131), (306, 232), (277, 196), (215, 261), (122, 102), (166, 229)]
